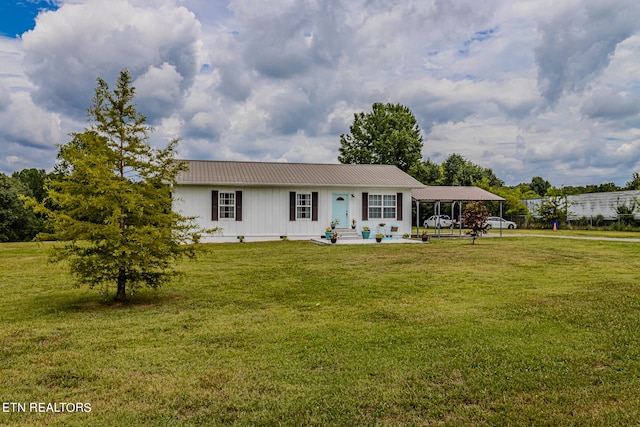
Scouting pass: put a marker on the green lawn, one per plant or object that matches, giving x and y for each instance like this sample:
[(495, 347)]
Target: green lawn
[(510, 331)]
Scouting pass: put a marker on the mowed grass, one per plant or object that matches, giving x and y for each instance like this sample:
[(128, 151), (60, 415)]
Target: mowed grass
[(510, 331)]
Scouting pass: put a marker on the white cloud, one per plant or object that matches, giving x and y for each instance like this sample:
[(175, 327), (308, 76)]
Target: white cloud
[(74, 45), (577, 44), (158, 90), (28, 134), (25, 123), (533, 87)]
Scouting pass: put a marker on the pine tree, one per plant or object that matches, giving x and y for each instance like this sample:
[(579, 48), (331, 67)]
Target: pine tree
[(112, 201)]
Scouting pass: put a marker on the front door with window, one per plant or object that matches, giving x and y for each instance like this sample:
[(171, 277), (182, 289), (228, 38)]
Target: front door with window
[(340, 210)]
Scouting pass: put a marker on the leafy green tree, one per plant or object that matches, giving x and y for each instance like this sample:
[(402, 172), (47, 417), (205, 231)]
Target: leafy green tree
[(634, 184), (606, 187), (539, 185), (554, 206), (457, 170), (626, 213), (512, 204), (112, 201), (389, 134), (427, 172), (34, 180), (17, 222)]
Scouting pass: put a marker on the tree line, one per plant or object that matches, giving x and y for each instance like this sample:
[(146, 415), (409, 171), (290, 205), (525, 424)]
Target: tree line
[(17, 221), (390, 134)]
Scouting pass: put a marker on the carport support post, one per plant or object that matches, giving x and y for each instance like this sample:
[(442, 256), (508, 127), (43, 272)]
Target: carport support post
[(438, 219), (501, 218), (417, 218), (460, 210)]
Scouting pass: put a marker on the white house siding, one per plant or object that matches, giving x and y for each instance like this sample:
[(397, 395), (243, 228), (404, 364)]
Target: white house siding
[(265, 212)]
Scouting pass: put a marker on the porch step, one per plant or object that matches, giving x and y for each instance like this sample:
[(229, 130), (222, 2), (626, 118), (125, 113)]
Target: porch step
[(348, 233)]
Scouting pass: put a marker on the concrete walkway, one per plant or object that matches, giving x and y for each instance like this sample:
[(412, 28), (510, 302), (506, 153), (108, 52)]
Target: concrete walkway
[(364, 241), (359, 241)]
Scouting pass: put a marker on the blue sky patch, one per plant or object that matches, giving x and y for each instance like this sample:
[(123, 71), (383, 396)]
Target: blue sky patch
[(17, 17)]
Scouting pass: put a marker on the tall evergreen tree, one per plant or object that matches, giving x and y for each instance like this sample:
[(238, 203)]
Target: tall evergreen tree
[(112, 201)]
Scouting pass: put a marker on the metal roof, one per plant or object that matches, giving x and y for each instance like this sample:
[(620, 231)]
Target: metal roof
[(203, 172), (452, 194)]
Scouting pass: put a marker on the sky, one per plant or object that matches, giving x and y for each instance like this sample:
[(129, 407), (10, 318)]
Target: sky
[(526, 88)]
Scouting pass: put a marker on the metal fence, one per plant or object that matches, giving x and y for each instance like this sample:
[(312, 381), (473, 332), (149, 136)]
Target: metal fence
[(619, 222)]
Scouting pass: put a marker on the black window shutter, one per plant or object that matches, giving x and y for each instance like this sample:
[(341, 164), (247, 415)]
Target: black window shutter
[(214, 205), (238, 205), (399, 206), (314, 206), (365, 206), (292, 206)]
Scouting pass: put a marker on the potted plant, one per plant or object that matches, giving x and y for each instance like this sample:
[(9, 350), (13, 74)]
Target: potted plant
[(365, 232), (334, 223), (425, 236), (353, 223), (379, 237), (334, 237), (327, 233)]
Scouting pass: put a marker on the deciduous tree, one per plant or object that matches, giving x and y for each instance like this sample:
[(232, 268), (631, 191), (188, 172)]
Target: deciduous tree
[(456, 170), (17, 222), (112, 201), (474, 217), (554, 206), (634, 184), (389, 134), (427, 172)]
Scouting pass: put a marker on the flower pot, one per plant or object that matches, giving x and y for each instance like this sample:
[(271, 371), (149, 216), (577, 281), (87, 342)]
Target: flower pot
[(328, 234), (378, 239), (365, 234), (425, 238), (333, 240)]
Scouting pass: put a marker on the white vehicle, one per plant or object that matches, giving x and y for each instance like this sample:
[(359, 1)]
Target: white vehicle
[(438, 221), (495, 221)]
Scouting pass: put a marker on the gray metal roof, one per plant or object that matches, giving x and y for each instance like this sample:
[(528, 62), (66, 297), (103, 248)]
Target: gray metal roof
[(203, 172), (452, 194)]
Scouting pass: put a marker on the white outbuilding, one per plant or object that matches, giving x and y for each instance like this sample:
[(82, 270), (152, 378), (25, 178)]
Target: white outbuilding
[(267, 201)]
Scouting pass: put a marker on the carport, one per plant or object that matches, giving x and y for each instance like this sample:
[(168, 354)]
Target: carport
[(453, 195)]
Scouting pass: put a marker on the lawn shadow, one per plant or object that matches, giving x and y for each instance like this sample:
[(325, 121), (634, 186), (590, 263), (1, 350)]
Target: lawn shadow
[(94, 301)]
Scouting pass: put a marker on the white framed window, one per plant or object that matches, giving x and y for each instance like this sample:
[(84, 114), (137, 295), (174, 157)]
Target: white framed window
[(303, 205), (227, 205), (389, 206), (382, 206)]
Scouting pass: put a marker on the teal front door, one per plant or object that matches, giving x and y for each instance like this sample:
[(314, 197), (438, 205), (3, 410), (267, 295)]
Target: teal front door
[(340, 209)]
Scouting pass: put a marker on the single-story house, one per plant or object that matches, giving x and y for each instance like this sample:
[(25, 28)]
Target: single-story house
[(267, 201)]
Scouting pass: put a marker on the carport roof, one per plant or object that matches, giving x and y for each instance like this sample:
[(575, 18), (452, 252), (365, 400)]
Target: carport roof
[(453, 194)]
